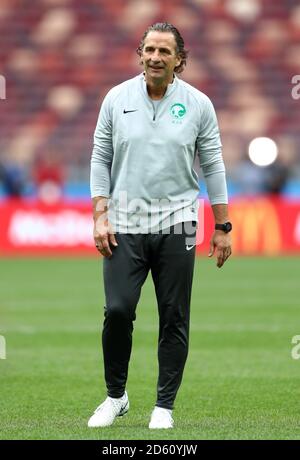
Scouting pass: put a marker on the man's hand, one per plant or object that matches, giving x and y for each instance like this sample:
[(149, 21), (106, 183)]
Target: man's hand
[(221, 244), (103, 232), (104, 236)]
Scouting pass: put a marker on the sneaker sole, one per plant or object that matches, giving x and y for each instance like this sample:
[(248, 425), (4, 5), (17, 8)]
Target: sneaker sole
[(160, 427)]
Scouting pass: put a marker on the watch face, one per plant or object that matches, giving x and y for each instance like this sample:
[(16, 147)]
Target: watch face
[(228, 226)]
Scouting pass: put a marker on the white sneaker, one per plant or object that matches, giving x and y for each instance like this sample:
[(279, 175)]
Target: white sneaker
[(161, 418), (106, 413)]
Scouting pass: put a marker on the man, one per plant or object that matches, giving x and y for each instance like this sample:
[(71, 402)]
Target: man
[(144, 192)]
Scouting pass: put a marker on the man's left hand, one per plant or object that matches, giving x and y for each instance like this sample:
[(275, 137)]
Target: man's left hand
[(220, 244)]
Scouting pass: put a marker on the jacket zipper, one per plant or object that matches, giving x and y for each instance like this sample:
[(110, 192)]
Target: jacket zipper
[(154, 111)]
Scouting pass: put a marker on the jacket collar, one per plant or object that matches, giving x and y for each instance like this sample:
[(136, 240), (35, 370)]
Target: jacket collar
[(171, 86)]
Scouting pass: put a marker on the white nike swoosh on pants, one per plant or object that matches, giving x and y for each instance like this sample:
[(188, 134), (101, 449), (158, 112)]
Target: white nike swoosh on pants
[(188, 248)]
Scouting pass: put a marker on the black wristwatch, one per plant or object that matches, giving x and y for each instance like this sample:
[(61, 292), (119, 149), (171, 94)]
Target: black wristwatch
[(227, 227)]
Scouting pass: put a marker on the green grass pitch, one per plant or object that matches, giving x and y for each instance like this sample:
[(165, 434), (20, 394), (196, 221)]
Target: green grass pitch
[(240, 380)]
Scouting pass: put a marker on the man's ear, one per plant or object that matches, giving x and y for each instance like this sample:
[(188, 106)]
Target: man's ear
[(178, 61)]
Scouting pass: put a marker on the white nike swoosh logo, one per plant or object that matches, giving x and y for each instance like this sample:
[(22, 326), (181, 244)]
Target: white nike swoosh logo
[(188, 248)]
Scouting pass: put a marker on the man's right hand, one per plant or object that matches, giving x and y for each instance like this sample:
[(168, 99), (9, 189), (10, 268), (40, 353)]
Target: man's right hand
[(104, 235)]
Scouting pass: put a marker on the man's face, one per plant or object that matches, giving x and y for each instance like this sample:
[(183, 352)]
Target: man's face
[(159, 56)]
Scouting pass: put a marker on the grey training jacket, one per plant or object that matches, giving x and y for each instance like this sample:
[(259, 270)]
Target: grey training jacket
[(144, 151)]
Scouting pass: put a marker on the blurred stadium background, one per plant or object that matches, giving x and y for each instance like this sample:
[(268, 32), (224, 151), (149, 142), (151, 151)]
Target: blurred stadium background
[(58, 59)]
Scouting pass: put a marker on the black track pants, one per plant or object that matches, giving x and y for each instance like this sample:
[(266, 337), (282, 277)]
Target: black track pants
[(170, 257)]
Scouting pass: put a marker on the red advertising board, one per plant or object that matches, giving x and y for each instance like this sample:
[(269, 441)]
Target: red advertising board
[(33, 228), (266, 226)]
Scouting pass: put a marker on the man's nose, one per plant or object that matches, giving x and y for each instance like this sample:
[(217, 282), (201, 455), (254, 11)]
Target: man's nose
[(155, 56)]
